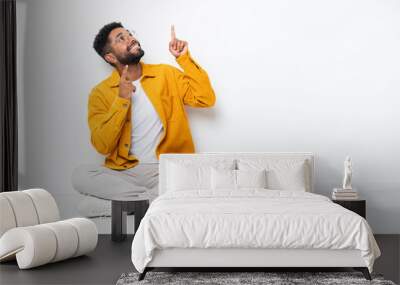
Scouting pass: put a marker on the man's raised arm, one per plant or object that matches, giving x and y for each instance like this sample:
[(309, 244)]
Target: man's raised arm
[(193, 83), (105, 122)]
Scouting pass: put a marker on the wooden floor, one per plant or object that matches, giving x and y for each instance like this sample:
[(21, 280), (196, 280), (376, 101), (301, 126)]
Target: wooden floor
[(110, 260)]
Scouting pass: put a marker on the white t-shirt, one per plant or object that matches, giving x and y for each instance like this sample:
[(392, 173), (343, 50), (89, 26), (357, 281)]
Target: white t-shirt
[(146, 126)]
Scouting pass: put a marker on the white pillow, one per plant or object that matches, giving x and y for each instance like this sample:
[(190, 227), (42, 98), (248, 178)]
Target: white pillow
[(223, 179), (251, 178), (282, 174), (189, 174), (188, 177), (236, 179)]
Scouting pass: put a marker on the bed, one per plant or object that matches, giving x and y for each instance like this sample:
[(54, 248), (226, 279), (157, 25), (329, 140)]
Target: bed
[(247, 210)]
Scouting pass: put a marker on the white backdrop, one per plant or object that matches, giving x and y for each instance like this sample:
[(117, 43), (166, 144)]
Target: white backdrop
[(312, 75)]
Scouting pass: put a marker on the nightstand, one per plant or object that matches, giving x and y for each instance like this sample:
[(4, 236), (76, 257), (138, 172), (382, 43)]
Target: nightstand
[(357, 206)]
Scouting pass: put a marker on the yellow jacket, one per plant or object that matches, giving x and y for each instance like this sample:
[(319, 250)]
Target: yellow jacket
[(168, 89)]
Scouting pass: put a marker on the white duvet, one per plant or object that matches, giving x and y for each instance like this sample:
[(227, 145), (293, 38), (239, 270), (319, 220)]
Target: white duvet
[(251, 218)]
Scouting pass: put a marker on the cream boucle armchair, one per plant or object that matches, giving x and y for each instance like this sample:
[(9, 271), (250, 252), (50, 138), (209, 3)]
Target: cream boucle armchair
[(32, 233)]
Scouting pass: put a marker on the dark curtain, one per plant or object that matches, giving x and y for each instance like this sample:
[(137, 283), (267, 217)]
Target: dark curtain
[(8, 99)]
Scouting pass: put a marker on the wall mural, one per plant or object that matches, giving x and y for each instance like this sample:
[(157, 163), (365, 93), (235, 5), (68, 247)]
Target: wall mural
[(136, 114)]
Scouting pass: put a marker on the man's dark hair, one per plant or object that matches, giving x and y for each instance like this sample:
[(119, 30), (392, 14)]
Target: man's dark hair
[(100, 43)]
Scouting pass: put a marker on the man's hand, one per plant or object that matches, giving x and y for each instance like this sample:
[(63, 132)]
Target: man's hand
[(177, 47), (125, 84)]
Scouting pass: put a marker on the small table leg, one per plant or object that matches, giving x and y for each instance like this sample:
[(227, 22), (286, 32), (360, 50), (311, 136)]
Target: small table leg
[(118, 221)]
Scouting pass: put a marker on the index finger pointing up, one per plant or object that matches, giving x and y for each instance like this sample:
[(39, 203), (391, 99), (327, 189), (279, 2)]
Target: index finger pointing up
[(173, 36)]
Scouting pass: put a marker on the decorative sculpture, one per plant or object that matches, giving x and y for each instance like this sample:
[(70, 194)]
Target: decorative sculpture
[(348, 172)]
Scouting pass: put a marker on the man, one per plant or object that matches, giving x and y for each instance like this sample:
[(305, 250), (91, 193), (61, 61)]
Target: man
[(137, 113)]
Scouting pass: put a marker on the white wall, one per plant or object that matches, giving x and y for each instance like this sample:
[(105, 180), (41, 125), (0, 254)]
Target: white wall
[(320, 76)]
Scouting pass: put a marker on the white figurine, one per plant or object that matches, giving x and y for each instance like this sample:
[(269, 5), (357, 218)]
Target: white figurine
[(347, 174)]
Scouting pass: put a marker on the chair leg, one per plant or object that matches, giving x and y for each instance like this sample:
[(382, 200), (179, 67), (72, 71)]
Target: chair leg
[(364, 271), (142, 275)]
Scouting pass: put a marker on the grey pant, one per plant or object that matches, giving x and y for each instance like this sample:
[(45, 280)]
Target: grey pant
[(105, 183)]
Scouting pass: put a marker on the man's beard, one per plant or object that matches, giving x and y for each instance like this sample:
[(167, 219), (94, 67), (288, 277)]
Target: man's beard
[(131, 58)]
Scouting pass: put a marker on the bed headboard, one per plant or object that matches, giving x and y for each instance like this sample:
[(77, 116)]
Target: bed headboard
[(308, 157)]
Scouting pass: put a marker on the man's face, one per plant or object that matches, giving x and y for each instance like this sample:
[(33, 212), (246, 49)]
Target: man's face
[(125, 49)]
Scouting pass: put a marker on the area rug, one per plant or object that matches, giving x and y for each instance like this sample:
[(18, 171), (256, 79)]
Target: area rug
[(269, 278)]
